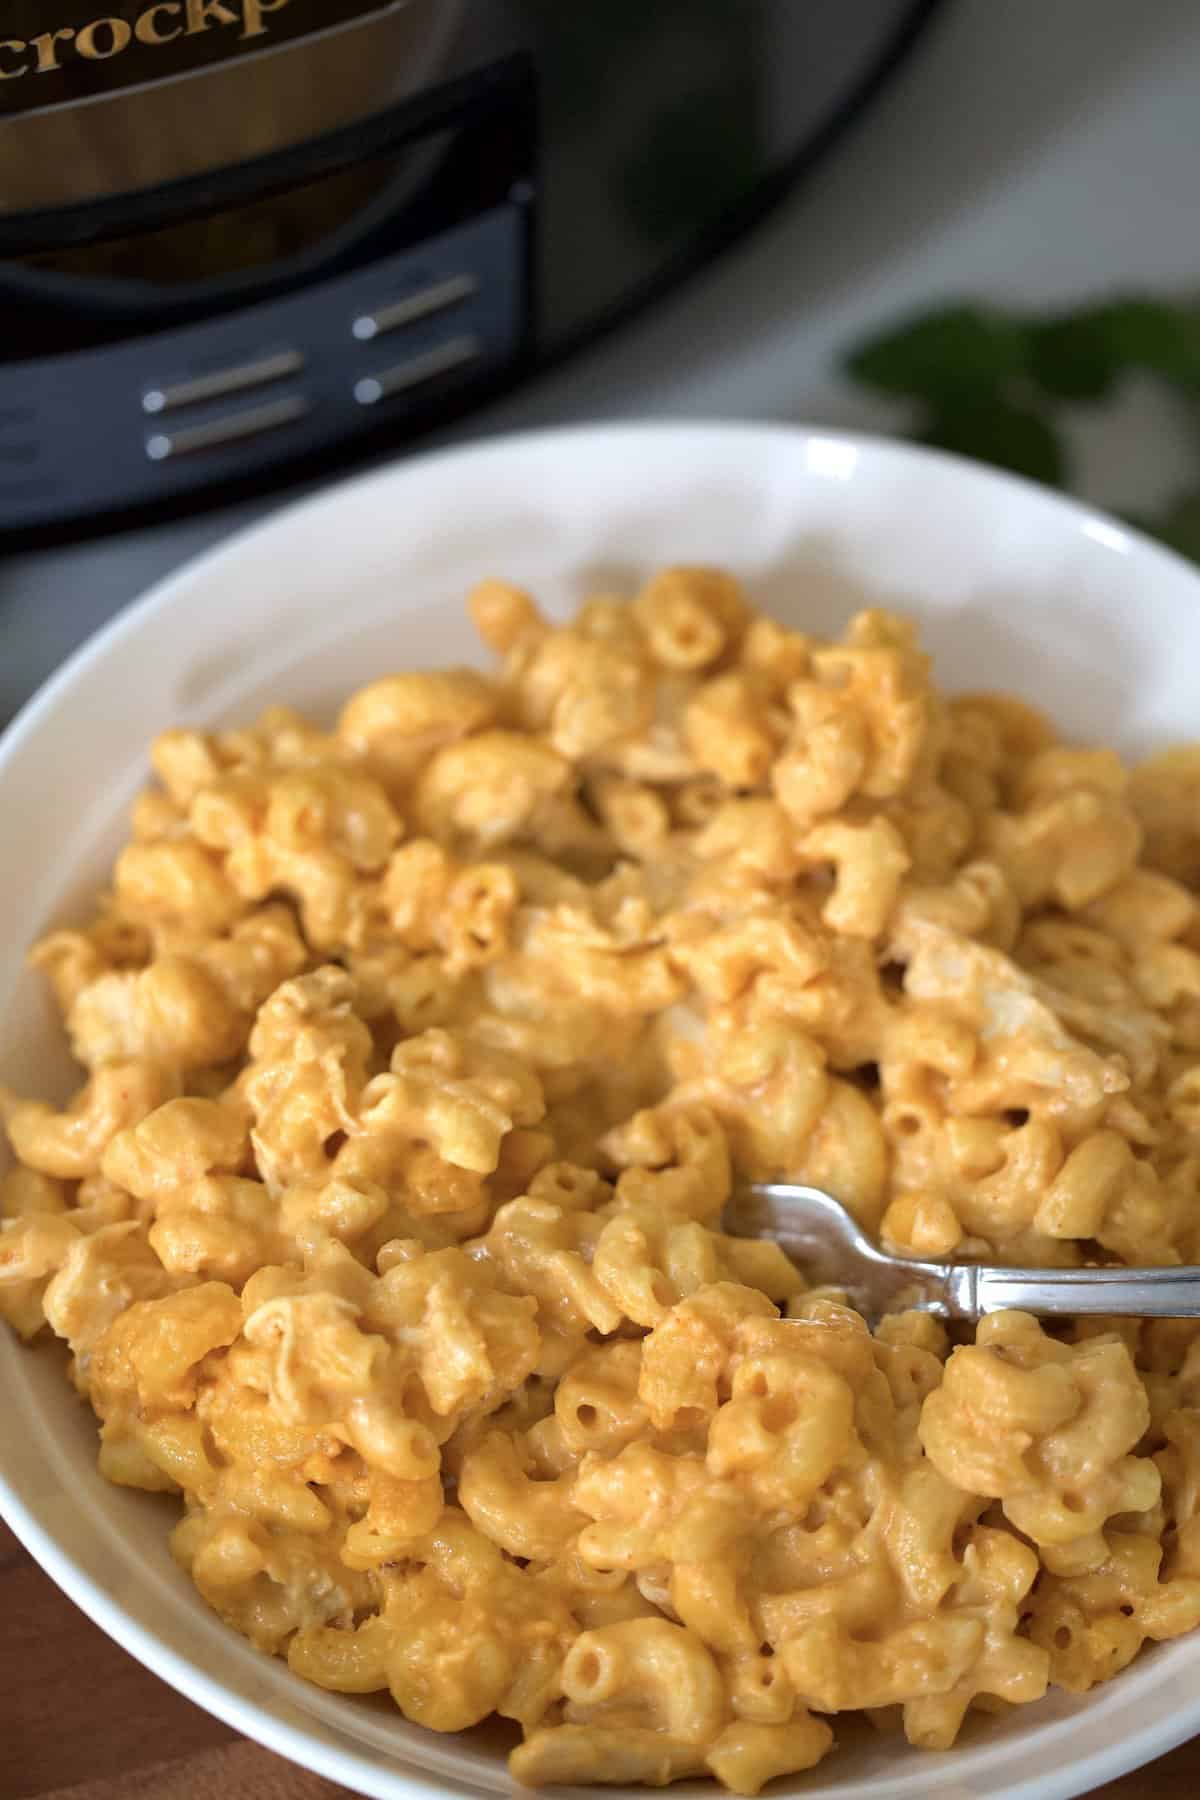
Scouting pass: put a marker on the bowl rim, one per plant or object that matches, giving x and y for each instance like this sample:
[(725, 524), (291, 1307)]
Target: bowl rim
[(1117, 534), (258, 1721)]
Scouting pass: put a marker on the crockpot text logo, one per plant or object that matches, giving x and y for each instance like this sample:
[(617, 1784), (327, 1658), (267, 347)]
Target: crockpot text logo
[(158, 24)]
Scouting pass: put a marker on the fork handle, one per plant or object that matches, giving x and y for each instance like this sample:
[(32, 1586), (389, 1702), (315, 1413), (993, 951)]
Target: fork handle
[(1172, 1293)]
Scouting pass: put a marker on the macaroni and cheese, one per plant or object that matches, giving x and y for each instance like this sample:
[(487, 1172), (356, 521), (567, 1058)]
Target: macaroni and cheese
[(420, 1055)]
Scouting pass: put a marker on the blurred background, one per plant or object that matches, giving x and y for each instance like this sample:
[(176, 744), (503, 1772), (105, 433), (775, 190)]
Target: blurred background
[(822, 175)]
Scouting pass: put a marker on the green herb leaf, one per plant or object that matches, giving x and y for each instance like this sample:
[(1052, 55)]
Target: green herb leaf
[(996, 431), (1072, 358), (1080, 355), (1179, 526), (957, 354), (1154, 335)]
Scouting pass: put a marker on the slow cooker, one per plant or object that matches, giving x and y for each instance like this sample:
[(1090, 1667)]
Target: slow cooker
[(246, 240)]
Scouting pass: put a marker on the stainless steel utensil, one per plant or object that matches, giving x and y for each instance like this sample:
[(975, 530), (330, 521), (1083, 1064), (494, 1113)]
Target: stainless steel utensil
[(833, 1250)]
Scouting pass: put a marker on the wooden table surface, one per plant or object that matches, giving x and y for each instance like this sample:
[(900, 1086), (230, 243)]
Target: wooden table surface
[(80, 1720)]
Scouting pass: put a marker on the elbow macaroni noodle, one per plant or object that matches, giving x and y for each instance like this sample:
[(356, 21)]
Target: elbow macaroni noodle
[(421, 1055)]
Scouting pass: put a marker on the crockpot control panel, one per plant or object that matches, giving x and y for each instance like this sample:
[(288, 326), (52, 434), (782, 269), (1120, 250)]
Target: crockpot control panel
[(402, 320), (295, 234), (106, 428)]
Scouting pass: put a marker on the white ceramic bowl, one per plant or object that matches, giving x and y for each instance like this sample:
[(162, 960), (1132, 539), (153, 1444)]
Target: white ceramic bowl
[(1015, 588)]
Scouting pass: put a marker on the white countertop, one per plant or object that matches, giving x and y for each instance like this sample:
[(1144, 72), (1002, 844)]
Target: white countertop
[(1031, 151)]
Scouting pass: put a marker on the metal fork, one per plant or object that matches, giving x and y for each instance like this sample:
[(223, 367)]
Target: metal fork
[(833, 1250)]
